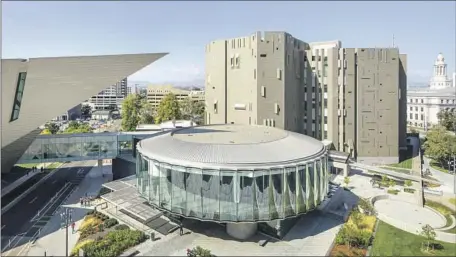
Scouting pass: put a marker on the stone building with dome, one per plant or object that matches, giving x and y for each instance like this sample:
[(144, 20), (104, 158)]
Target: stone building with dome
[(423, 104)]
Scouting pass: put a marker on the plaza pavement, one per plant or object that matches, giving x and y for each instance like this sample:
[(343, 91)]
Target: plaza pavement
[(52, 238)]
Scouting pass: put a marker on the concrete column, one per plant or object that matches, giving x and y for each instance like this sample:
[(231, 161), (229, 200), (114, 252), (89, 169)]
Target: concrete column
[(241, 230)]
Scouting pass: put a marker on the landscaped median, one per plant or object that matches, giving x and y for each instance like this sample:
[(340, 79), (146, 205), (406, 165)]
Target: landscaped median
[(101, 236)]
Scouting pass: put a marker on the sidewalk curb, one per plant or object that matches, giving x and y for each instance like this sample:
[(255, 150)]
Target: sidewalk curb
[(30, 189)]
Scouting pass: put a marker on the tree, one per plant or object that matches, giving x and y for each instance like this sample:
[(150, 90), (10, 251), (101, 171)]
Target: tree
[(346, 181), (428, 232), (192, 110), (75, 127), (131, 112), (392, 183), (199, 252), (52, 127), (86, 110), (168, 109), (147, 113), (447, 119), (408, 183), (439, 145)]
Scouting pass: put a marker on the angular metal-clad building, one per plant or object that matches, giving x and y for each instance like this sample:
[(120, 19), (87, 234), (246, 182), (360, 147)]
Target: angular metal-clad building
[(38, 89), (233, 174)]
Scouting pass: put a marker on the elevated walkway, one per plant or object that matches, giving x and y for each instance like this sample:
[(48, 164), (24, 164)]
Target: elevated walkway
[(391, 173), (82, 147)]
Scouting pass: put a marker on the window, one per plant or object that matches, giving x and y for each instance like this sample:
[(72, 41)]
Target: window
[(232, 62), (416, 116), (279, 74), (215, 107), (325, 87), (18, 96), (422, 117), (422, 109), (416, 108), (422, 101), (313, 57), (411, 116), (236, 61), (263, 91), (276, 108), (411, 108), (254, 73)]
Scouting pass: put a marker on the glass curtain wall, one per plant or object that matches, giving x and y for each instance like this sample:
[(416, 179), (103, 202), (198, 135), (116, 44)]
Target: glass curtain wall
[(230, 195)]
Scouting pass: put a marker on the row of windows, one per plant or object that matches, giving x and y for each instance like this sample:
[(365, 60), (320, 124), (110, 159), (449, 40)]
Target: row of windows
[(442, 101)]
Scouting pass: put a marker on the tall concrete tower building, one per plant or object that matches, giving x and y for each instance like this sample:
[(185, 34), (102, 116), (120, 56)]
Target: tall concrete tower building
[(352, 97)]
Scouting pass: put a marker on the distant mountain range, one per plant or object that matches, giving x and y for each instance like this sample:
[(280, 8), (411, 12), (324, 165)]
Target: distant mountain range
[(199, 83), (196, 83)]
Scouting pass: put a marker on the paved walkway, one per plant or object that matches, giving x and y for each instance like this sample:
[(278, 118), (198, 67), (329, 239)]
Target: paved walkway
[(447, 179), (410, 214), (52, 238)]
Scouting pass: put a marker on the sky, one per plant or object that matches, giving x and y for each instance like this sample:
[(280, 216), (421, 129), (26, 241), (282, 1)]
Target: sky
[(182, 29)]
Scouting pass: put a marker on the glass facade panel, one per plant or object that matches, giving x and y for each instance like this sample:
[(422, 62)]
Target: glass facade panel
[(301, 201), (310, 186), (317, 182), (276, 194), (165, 186), (144, 171), (193, 182), (179, 197), (245, 196), (210, 192), (289, 193), (154, 174), (227, 193), (262, 201)]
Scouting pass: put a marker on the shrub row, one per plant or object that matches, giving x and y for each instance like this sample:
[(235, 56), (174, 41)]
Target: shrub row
[(114, 243), (110, 223), (121, 227), (353, 237), (98, 214), (393, 191), (409, 190)]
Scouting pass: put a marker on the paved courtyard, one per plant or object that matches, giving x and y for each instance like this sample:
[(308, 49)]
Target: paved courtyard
[(409, 213), (312, 236)]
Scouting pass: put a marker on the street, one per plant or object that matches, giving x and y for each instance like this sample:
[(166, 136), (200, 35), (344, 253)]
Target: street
[(24, 219)]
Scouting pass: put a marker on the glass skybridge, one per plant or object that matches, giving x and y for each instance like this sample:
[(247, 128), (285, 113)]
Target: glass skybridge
[(80, 147)]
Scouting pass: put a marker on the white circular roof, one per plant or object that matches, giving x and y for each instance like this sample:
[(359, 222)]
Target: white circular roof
[(231, 146)]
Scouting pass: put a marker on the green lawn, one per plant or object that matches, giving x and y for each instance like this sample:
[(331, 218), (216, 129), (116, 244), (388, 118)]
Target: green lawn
[(30, 165), (26, 165), (445, 211), (453, 200), (395, 169), (53, 165), (436, 166), (391, 241), (406, 164)]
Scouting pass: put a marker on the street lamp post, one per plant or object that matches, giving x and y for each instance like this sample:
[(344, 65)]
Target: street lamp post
[(66, 220)]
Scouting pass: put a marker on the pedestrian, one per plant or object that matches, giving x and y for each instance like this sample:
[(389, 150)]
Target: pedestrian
[(81, 201), (72, 227), (42, 169), (181, 229)]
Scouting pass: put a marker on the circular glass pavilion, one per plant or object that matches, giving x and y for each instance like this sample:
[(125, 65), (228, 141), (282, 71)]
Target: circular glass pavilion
[(233, 173)]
